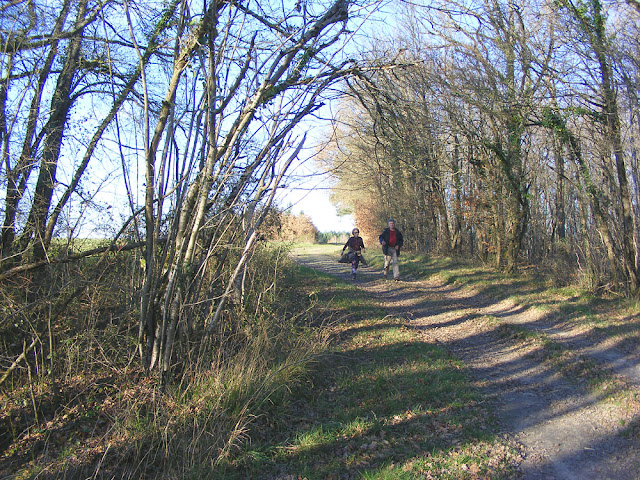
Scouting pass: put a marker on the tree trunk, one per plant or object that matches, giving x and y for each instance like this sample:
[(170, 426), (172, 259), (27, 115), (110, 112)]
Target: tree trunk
[(613, 123), (18, 175), (456, 172), (594, 26), (560, 215), (59, 111)]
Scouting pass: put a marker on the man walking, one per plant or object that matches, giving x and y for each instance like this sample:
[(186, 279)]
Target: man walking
[(391, 241)]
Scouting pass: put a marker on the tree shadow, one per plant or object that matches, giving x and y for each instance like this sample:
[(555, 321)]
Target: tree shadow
[(364, 418), (522, 389)]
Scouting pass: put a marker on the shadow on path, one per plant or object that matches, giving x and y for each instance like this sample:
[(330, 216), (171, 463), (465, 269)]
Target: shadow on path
[(567, 431)]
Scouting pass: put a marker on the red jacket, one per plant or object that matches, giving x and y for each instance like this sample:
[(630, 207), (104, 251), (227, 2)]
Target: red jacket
[(385, 236)]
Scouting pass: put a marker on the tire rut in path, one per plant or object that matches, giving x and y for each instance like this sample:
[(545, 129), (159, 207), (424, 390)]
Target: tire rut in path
[(565, 431)]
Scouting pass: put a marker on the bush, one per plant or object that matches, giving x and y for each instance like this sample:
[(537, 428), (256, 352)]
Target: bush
[(87, 408)]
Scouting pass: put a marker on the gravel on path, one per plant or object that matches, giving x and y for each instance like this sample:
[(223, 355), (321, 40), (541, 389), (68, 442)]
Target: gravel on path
[(566, 431)]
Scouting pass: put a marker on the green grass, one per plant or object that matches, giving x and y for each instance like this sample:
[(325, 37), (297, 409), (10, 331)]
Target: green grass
[(382, 403)]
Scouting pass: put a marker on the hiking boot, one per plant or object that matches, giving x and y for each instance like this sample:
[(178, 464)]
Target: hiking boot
[(354, 275), (396, 279)]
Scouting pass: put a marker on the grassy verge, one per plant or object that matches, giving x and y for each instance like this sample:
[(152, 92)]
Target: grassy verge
[(382, 403), (102, 416), (603, 317)]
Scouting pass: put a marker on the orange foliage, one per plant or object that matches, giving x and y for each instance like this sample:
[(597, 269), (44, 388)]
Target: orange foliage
[(289, 227)]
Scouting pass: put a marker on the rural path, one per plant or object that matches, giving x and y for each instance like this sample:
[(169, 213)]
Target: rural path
[(565, 431)]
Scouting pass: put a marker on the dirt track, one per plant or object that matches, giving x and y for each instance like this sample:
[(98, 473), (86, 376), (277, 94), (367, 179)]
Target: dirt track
[(565, 431)]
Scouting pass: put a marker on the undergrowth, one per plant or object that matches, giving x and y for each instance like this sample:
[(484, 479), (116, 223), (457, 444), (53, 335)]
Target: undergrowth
[(381, 403), (98, 414)]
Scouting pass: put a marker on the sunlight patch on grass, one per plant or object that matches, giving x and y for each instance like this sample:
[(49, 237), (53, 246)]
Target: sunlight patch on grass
[(384, 400), (409, 406)]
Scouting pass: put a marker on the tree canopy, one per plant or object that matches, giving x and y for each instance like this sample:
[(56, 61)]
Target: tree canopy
[(510, 135)]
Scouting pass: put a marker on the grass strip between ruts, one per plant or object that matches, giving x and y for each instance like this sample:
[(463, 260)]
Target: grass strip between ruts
[(382, 403)]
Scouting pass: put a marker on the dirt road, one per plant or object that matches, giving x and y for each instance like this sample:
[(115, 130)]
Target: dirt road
[(566, 431)]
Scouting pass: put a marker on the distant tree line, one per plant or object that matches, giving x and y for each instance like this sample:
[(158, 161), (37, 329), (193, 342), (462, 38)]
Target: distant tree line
[(282, 225), (508, 131), (286, 226), (332, 237)]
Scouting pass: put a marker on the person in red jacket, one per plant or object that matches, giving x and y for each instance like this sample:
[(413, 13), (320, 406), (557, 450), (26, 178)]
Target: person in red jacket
[(391, 241), (356, 249)]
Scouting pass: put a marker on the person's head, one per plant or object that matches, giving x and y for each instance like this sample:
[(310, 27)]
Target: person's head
[(392, 223), (355, 232)]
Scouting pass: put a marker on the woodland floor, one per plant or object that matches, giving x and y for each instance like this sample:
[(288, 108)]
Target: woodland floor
[(565, 428)]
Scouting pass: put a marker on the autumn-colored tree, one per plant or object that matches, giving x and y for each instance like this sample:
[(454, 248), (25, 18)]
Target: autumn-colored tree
[(500, 132), (289, 227)]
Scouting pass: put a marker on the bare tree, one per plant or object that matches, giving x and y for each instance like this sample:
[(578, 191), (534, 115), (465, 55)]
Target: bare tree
[(87, 70), (262, 71), (598, 40), (589, 22)]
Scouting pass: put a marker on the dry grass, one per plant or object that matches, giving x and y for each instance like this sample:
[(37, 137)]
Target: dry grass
[(97, 414)]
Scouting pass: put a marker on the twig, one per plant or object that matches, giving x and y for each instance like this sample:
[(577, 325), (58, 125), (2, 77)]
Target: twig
[(17, 361), (70, 258)]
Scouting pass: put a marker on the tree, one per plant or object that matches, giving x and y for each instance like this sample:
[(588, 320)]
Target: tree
[(208, 99), (515, 109), (31, 52), (591, 22), (260, 78)]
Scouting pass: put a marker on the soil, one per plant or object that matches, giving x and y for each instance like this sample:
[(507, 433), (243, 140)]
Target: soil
[(565, 430)]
